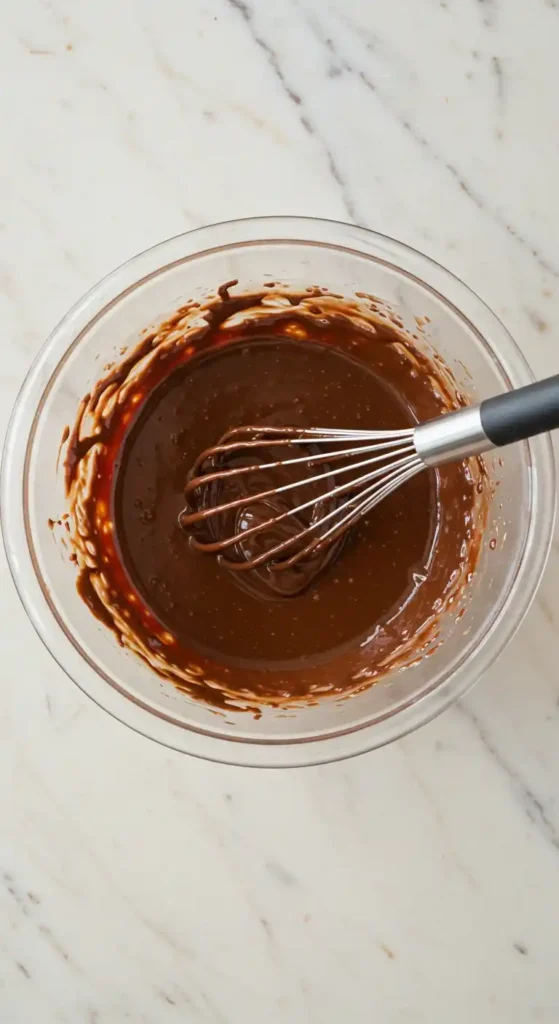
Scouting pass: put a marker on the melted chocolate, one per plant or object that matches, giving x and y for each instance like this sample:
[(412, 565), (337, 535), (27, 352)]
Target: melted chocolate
[(233, 615), (329, 623)]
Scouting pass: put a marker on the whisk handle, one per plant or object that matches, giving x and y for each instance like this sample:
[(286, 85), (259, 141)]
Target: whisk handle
[(522, 413), (494, 423)]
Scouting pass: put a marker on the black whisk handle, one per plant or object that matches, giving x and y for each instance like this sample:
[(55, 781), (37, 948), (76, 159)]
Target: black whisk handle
[(497, 421), (522, 413)]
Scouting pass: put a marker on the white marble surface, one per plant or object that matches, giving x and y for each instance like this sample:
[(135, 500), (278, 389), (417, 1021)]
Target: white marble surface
[(418, 884)]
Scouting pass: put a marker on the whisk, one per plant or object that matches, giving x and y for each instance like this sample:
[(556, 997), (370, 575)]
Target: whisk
[(374, 463)]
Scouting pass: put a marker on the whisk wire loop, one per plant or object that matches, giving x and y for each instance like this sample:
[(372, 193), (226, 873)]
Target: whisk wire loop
[(390, 460)]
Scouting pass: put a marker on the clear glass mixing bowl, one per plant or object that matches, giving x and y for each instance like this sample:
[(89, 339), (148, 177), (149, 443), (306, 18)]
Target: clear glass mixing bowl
[(298, 252)]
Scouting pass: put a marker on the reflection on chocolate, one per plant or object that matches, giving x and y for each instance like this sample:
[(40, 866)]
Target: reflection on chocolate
[(330, 624)]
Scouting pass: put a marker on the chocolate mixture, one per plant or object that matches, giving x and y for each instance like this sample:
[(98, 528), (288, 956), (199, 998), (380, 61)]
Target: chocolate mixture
[(332, 623)]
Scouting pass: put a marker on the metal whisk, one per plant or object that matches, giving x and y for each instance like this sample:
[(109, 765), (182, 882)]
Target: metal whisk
[(373, 462)]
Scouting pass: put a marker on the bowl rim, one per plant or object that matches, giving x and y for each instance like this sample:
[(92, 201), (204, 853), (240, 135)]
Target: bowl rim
[(129, 276)]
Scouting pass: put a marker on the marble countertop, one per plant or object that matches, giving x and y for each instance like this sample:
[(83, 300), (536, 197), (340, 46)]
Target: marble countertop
[(413, 885)]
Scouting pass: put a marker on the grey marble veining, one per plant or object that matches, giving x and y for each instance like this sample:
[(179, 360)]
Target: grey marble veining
[(413, 885)]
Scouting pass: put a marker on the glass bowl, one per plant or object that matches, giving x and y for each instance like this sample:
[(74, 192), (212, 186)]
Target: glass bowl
[(298, 252)]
